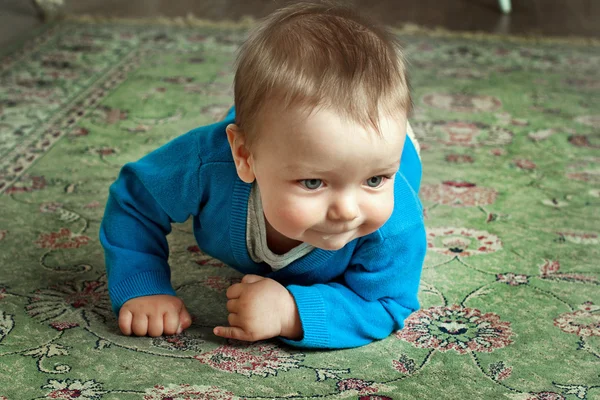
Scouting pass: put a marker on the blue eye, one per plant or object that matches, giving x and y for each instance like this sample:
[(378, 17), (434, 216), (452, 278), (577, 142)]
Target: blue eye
[(311, 184), (375, 181)]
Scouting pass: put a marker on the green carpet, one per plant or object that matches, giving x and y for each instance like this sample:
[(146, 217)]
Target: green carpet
[(510, 135)]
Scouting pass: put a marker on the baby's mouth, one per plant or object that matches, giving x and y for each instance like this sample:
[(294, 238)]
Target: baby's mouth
[(329, 234)]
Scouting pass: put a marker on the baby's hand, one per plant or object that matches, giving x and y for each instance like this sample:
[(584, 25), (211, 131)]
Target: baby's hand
[(260, 308), (154, 316)]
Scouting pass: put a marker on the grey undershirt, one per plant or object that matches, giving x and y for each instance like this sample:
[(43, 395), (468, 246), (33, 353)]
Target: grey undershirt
[(256, 237)]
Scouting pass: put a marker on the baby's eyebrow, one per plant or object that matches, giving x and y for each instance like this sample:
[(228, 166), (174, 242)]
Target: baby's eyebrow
[(393, 165), (307, 169), (302, 168)]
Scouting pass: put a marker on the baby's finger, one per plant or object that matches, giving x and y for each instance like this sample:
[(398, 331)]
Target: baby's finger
[(125, 318), (170, 323), (233, 319), (235, 291), (155, 325), (233, 305), (185, 319), (251, 278), (231, 332), (139, 325)]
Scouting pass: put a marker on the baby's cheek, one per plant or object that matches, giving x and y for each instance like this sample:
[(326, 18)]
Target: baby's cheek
[(286, 217), (379, 213), (297, 218)]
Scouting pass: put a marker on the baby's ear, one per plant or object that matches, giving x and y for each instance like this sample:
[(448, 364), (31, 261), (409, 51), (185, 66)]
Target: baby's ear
[(241, 155)]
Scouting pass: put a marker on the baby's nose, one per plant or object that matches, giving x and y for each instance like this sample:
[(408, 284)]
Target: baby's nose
[(345, 208)]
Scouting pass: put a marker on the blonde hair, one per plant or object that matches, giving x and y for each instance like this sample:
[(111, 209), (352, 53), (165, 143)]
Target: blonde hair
[(322, 54)]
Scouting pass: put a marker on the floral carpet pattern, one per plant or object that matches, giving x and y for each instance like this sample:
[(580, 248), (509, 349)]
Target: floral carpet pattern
[(510, 138)]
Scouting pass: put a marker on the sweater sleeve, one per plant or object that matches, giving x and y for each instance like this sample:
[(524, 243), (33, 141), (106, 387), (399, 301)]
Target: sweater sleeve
[(147, 197), (374, 296)]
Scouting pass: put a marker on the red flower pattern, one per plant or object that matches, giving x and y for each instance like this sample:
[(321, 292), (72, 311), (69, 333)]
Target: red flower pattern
[(590, 141), (27, 184), (462, 133), (93, 204), (462, 241), (550, 268), (62, 239), (404, 365), (220, 283), (106, 151), (546, 396), (374, 398), (356, 384), (580, 237), (499, 371), (460, 159), (462, 102), (203, 258), (583, 322), (512, 279), (456, 328), (50, 207), (188, 392), (254, 359), (524, 164), (61, 326), (78, 132), (70, 304), (459, 194)]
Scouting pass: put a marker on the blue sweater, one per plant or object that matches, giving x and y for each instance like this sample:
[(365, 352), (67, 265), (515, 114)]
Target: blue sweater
[(345, 298)]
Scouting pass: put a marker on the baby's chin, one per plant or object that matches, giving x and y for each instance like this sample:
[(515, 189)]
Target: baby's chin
[(331, 243), (331, 248)]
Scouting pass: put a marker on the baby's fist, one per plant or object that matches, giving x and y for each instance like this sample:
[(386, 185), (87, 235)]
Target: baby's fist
[(154, 316)]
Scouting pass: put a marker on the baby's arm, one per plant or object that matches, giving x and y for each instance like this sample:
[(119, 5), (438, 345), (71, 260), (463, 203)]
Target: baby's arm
[(148, 196), (370, 300)]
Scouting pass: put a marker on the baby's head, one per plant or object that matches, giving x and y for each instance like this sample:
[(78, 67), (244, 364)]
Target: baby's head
[(319, 55), (321, 99)]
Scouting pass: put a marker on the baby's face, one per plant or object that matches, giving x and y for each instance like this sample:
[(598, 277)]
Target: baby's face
[(324, 180)]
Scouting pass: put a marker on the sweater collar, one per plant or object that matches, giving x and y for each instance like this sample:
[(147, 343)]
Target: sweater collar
[(237, 236)]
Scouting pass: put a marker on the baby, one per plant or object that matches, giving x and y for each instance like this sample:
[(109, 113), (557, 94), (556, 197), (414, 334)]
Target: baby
[(308, 187)]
